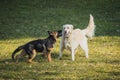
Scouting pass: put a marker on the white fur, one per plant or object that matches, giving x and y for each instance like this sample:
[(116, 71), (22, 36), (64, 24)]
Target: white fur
[(72, 38)]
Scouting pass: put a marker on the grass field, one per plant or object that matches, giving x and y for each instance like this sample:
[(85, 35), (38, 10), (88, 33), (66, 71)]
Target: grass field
[(25, 20)]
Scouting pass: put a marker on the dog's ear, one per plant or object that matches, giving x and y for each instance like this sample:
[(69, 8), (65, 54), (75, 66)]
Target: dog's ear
[(72, 26), (49, 32), (59, 33)]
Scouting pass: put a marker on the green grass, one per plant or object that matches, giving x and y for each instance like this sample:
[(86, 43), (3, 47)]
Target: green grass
[(25, 20)]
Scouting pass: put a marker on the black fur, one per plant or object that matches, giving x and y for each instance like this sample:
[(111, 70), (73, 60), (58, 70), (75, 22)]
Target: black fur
[(38, 45)]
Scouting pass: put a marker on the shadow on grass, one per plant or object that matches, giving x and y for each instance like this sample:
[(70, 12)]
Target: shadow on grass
[(39, 58), (115, 73), (9, 65), (113, 61), (6, 61)]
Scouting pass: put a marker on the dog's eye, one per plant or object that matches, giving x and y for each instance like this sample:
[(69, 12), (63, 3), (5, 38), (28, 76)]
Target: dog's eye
[(64, 28)]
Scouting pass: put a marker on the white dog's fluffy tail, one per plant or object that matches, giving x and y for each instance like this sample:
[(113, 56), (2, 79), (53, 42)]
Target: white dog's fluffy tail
[(89, 31)]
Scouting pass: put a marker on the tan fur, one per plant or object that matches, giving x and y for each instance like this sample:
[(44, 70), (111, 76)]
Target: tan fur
[(49, 57), (49, 54), (54, 34), (33, 56)]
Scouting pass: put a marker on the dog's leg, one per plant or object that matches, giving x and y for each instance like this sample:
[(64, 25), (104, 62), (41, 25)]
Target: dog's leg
[(61, 49), (73, 54), (23, 53), (84, 46), (32, 56), (44, 54), (49, 54), (49, 57)]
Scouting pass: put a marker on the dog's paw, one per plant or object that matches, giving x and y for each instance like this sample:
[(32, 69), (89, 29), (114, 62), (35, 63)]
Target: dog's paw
[(87, 56), (59, 58)]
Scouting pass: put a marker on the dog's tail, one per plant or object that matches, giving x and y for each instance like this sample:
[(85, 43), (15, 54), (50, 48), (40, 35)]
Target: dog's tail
[(89, 31), (17, 50)]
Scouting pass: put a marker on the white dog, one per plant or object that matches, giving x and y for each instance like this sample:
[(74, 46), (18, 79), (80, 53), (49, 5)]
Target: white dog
[(72, 38)]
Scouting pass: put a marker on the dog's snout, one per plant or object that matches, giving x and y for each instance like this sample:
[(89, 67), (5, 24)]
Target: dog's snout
[(65, 32)]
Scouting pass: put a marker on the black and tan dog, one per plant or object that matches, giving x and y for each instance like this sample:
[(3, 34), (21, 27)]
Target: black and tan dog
[(41, 45)]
